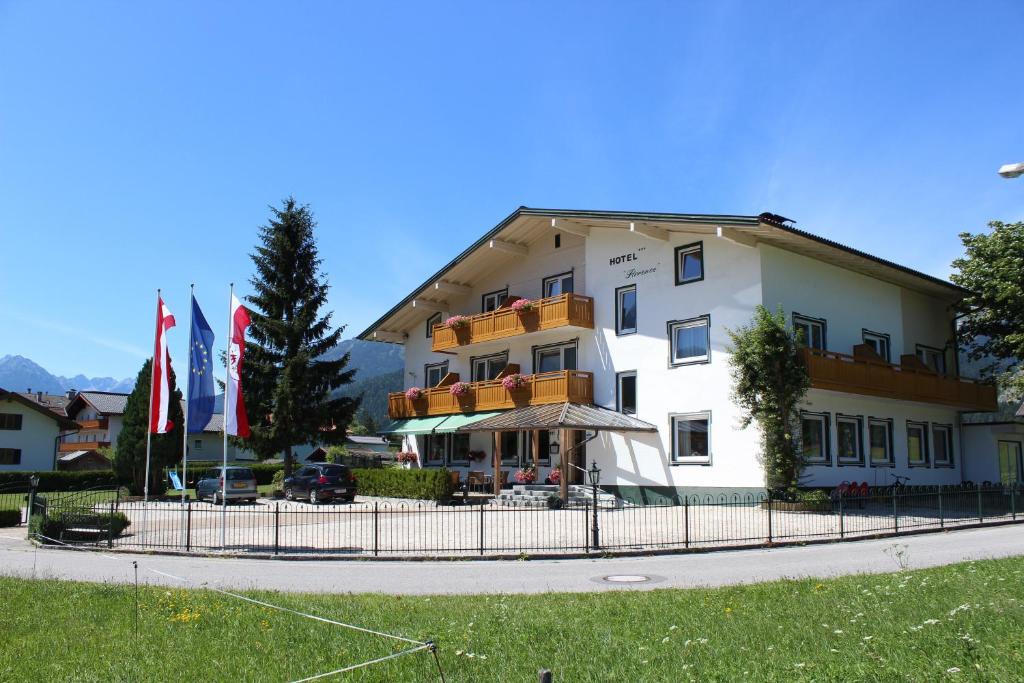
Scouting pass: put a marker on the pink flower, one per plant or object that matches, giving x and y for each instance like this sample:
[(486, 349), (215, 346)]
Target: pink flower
[(457, 322), (414, 393), (522, 305), (555, 476), (513, 381), (459, 389), (527, 476), (406, 456)]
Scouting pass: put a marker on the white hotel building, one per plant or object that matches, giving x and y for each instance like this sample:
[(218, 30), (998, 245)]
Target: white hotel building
[(631, 314)]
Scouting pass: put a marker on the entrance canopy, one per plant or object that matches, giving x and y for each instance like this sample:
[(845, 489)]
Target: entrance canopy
[(560, 416), (438, 424)]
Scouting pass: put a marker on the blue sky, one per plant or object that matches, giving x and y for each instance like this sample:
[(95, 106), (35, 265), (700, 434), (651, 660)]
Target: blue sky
[(140, 143)]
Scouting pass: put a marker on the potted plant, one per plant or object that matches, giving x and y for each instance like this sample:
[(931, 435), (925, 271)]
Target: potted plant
[(477, 456), (523, 306), (555, 477), (459, 389), (527, 475), (414, 393), (406, 458), (513, 381), (457, 322)]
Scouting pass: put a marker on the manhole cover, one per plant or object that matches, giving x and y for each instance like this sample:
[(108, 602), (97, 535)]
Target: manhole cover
[(626, 578)]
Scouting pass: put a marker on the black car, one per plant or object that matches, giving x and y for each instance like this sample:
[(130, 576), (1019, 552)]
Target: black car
[(321, 482)]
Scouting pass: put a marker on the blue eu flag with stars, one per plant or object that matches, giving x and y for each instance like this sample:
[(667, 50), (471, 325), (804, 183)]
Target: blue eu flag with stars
[(200, 372)]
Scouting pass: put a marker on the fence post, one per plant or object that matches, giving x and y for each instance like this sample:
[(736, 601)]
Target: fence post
[(110, 527), (376, 529), (1013, 502), (481, 528), (842, 528), (981, 517), (686, 520), (942, 516), (586, 516), (33, 486), (769, 518), (188, 528), (895, 514), (277, 527)]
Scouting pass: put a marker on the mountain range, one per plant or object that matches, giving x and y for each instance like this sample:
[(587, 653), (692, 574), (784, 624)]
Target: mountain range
[(378, 371)]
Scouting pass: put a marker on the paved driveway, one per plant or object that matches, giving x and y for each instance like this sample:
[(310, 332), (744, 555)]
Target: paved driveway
[(18, 557)]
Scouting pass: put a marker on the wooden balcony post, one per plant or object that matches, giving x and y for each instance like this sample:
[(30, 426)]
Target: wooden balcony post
[(536, 450), (563, 482), (497, 464)]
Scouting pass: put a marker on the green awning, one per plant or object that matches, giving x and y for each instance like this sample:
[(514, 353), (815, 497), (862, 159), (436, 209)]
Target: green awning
[(416, 425), (454, 422)]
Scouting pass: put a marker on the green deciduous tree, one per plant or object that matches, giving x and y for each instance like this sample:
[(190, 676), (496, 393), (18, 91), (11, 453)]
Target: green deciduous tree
[(992, 322), (288, 383), (130, 453), (770, 379)]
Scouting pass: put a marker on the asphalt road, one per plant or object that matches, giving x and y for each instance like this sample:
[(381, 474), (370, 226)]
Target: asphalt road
[(19, 558)]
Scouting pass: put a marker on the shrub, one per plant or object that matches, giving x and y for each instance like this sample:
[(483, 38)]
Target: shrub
[(62, 481), (264, 471), (278, 481), (10, 517), (56, 526), (389, 482)]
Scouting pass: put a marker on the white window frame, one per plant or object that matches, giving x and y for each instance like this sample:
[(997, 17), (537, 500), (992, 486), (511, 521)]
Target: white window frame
[(674, 420), (620, 292), (619, 376), (486, 360), (877, 340), (924, 352), (947, 429), (681, 252), (492, 301), (450, 450), (435, 319), (560, 348), (811, 322), (886, 424), (858, 425), (923, 426), (442, 366), (673, 325), (560, 278), (825, 420)]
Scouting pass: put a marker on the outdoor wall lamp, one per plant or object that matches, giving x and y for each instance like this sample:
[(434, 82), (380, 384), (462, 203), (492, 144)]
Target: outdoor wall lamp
[(594, 474), (553, 449), (34, 481)]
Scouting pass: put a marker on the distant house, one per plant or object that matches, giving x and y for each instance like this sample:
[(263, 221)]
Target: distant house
[(79, 461), (357, 446), (210, 444), (55, 402), (29, 434), (99, 416), (997, 441)]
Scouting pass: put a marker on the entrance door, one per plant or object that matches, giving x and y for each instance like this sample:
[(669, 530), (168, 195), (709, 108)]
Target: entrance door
[(1009, 462)]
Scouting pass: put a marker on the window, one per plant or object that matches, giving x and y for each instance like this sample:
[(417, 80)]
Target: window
[(434, 447), (811, 331), (488, 367), (10, 456), (880, 441), (934, 358), (431, 321), (917, 444), (494, 300), (544, 443), (942, 445), (691, 438), (814, 438), (625, 310), (10, 421), (458, 449), (554, 357), (558, 241), (625, 393), (689, 341), (849, 444), (878, 342), (509, 448), (557, 284), (433, 373), (197, 444), (689, 263)]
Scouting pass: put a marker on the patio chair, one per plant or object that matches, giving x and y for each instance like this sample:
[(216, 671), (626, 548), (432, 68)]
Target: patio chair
[(476, 481), (504, 478)]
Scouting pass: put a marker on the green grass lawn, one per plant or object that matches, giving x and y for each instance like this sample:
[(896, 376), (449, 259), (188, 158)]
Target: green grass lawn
[(959, 623)]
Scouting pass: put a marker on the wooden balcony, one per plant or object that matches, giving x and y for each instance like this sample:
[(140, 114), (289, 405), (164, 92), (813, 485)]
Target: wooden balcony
[(550, 387), (69, 447), (874, 377), (557, 311), (100, 423)]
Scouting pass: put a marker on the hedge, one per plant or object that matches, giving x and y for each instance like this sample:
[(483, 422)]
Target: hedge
[(264, 471), (393, 482), (62, 481), (55, 526), (10, 517)]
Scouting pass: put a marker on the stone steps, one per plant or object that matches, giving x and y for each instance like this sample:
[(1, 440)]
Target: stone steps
[(536, 495)]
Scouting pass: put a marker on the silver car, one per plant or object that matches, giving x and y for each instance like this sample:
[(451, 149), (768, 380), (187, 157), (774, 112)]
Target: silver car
[(241, 485)]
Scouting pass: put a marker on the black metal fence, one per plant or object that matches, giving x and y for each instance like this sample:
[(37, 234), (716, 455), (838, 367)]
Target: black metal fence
[(425, 529)]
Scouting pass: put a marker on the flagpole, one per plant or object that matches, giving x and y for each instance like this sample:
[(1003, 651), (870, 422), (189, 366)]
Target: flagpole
[(224, 471), (149, 412), (188, 394)]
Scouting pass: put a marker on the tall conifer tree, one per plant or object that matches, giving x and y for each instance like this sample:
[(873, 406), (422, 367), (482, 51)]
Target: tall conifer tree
[(290, 387)]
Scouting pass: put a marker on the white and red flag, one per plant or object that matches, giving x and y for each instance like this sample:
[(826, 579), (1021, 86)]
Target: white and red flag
[(159, 395), (236, 422)]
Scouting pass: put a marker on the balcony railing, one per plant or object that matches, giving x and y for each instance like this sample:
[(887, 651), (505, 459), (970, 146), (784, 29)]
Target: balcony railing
[(574, 386), (71, 447), (100, 423), (556, 311), (841, 372)]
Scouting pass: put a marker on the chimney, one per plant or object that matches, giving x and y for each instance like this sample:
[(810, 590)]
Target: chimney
[(39, 396), (71, 394)]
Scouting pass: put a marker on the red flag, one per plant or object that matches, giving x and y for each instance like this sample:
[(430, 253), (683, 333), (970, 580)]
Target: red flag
[(159, 395), (236, 422)]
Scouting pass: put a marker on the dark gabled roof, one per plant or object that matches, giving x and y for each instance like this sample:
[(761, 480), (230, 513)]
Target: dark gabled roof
[(105, 402), (1007, 413), (560, 416), (62, 422)]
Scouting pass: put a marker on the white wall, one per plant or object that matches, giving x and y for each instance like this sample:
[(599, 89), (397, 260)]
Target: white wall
[(36, 439), (981, 449)]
